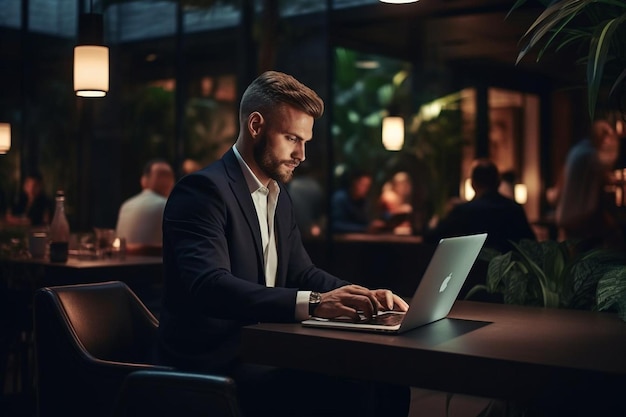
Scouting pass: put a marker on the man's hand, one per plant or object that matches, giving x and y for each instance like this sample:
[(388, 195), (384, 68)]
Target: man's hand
[(354, 301)]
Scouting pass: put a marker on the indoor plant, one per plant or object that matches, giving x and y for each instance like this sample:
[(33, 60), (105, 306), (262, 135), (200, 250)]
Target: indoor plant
[(597, 27), (558, 274)]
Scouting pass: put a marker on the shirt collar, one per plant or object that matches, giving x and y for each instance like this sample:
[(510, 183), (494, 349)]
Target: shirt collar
[(253, 182)]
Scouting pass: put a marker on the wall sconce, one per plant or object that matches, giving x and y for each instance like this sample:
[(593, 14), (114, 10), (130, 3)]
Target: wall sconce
[(393, 133), (91, 58), (521, 193), (5, 137)]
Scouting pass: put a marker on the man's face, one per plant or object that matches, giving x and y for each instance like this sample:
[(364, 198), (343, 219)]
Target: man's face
[(361, 187), (279, 147), (161, 179)]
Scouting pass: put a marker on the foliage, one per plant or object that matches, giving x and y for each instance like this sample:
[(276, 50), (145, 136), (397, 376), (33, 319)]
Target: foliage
[(558, 274), (432, 149), (596, 23)]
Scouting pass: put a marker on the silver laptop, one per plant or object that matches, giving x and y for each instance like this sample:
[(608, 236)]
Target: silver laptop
[(435, 295)]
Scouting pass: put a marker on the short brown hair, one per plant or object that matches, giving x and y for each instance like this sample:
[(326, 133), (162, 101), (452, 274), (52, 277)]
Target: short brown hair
[(273, 88)]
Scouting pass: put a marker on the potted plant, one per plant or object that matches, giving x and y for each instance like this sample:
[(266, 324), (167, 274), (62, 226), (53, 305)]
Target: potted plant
[(594, 25), (558, 274)]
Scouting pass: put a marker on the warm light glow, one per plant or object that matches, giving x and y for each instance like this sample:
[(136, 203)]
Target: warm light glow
[(521, 193), (91, 70), (393, 133), (468, 190), (5, 137)]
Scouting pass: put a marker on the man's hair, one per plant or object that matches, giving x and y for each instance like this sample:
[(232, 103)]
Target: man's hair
[(272, 89), (485, 174), (147, 168)]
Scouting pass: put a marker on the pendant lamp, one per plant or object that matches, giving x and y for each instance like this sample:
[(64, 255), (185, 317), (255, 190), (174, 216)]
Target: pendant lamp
[(393, 133), (5, 137), (91, 58)]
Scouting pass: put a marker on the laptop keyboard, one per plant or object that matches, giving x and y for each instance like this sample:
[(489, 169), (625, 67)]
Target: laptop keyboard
[(388, 319)]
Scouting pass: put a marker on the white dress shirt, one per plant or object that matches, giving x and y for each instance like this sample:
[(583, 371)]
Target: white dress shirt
[(265, 200)]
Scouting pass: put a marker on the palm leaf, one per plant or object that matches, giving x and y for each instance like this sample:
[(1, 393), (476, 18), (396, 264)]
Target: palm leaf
[(618, 82), (563, 10), (598, 51)]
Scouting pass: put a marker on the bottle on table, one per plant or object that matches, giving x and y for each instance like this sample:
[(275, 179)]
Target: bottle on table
[(59, 231)]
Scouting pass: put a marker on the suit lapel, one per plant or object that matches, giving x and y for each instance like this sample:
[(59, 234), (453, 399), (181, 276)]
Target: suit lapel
[(241, 192)]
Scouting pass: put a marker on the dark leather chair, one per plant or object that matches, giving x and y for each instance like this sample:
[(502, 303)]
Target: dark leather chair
[(157, 393), (88, 338)]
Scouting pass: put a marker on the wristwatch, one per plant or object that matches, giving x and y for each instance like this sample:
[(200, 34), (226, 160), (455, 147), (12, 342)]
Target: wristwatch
[(314, 300)]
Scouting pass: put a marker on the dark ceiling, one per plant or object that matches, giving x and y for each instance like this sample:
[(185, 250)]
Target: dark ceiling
[(456, 32)]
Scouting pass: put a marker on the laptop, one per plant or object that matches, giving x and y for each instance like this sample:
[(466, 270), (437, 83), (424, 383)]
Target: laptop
[(434, 297)]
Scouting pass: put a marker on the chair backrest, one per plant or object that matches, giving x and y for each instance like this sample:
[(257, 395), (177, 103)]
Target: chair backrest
[(88, 337), (157, 393)]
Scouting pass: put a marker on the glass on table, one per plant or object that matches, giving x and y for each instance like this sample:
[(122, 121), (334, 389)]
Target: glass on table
[(38, 243)]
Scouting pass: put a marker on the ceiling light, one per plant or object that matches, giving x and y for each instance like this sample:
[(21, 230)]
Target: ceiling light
[(91, 58)]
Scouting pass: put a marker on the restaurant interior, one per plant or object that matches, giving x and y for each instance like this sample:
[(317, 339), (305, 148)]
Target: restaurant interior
[(446, 71)]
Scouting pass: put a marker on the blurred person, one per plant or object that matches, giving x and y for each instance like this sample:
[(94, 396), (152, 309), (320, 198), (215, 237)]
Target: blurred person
[(584, 211), (190, 165), (350, 209), (141, 216), (489, 211), (507, 184), (233, 256), (33, 207), (395, 203)]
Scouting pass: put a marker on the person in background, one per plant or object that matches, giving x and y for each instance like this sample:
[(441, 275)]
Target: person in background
[(33, 207), (233, 256), (584, 210), (141, 216), (489, 211), (190, 165), (395, 203), (350, 210)]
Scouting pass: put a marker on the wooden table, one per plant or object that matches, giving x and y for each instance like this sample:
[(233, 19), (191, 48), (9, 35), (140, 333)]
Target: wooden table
[(523, 354), (131, 268)]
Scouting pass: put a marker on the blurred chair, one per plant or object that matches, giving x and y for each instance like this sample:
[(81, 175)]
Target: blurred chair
[(157, 393), (88, 338)]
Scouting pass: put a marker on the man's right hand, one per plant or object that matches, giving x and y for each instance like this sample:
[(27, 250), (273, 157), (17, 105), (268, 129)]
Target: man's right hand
[(351, 301)]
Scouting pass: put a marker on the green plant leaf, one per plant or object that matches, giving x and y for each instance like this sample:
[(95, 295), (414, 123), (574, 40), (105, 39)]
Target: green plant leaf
[(532, 265), (617, 82), (598, 51), (498, 268), (612, 290), (566, 9)]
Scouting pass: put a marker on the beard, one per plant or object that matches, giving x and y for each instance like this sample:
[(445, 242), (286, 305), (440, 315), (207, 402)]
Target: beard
[(269, 163)]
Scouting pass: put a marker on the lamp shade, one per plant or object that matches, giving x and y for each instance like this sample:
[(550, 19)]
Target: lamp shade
[(393, 133), (91, 58), (91, 70), (5, 137)]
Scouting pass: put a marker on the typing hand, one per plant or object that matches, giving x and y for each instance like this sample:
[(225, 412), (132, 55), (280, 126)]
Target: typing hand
[(357, 302)]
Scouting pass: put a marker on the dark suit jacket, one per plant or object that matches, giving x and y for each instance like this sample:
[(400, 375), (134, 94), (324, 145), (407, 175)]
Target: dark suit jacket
[(502, 218), (214, 279)]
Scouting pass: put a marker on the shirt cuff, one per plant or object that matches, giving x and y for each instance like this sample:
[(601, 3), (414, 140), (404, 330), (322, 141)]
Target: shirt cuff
[(302, 305)]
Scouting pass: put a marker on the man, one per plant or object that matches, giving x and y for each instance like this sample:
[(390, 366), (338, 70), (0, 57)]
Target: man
[(489, 211), (233, 256), (141, 216)]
